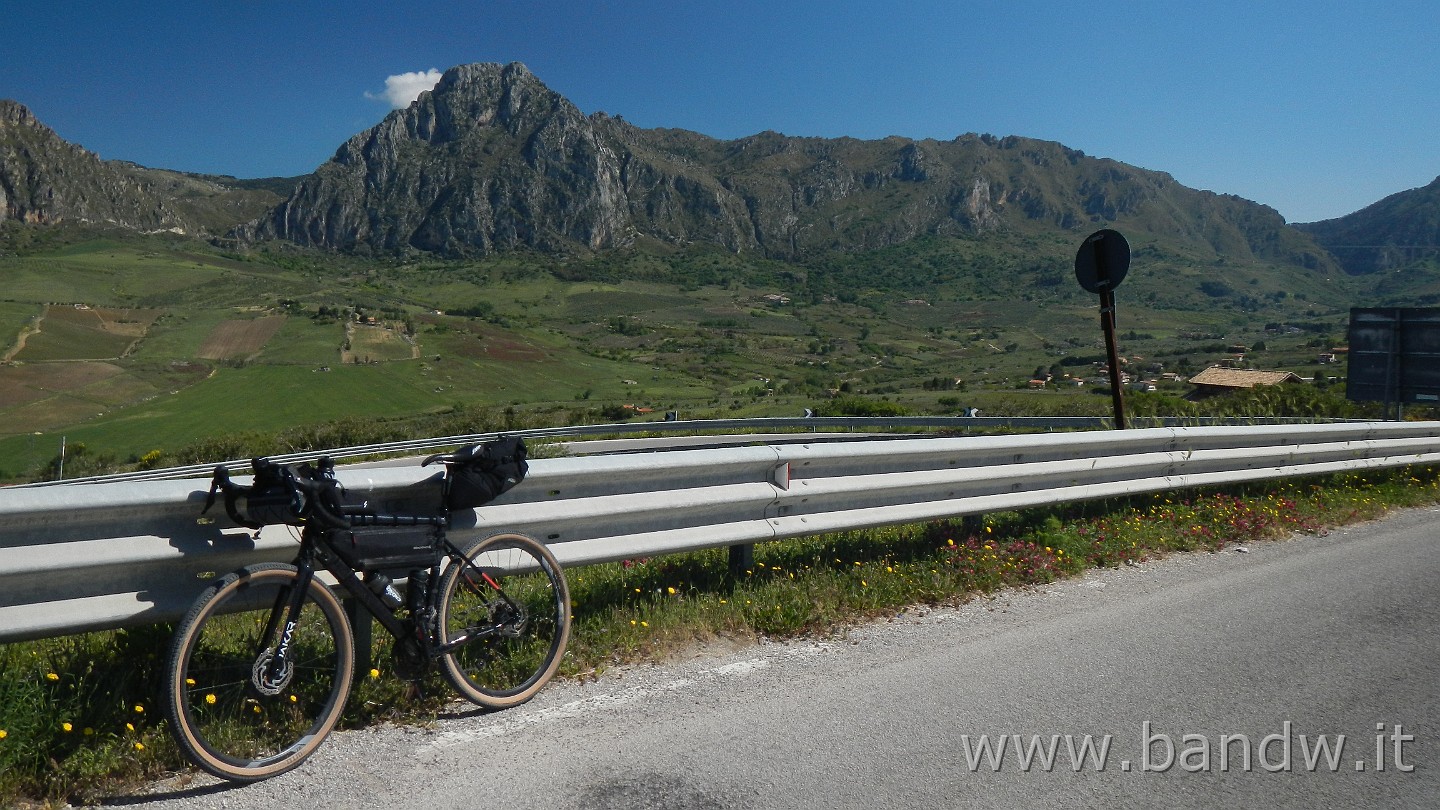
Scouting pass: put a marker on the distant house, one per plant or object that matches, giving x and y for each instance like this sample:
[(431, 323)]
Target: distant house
[(1216, 380)]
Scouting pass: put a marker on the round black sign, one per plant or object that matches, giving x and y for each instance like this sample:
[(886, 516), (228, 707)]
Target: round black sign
[(1102, 261)]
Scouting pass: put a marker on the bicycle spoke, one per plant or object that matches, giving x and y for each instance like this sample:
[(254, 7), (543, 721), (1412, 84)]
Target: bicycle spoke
[(233, 711), (511, 611)]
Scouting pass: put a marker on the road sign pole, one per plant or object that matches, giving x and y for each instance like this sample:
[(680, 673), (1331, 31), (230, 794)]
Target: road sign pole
[(1100, 266), (1112, 355)]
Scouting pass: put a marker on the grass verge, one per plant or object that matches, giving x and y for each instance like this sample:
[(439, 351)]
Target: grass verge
[(79, 716)]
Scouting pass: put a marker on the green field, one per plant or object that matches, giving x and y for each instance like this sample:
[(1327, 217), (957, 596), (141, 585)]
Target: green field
[(179, 333), (224, 346)]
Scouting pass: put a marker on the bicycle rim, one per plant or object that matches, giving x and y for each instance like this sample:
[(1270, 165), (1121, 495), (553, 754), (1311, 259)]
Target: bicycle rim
[(231, 714), (514, 606)]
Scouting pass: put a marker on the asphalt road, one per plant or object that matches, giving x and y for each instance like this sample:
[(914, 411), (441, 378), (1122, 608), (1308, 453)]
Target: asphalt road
[(1255, 654)]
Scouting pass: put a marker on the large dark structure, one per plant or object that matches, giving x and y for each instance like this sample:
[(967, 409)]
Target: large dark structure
[(1394, 356)]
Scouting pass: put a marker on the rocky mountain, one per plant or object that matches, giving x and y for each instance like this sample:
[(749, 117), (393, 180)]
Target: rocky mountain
[(1393, 233), (47, 180), (491, 159)]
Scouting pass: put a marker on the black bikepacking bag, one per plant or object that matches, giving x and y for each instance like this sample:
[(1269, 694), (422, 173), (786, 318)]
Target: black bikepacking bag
[(481, 472), (280, 494), (387, 548), (275, 497)]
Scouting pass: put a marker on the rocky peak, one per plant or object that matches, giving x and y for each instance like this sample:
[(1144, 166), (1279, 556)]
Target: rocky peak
[(472, 97), (489, 159), (13, 113)]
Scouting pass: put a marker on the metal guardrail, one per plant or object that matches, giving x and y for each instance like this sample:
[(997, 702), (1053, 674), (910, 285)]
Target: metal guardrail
[(698, 426), (107, 555)]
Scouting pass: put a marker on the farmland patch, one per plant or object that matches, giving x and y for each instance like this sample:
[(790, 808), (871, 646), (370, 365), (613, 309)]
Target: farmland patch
[(377, 344), (79, 332), (303, 341), (35, 396), (237, 339), (16, 321)]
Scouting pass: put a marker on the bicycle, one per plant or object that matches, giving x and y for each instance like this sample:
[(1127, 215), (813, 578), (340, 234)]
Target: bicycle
[(263, 662)]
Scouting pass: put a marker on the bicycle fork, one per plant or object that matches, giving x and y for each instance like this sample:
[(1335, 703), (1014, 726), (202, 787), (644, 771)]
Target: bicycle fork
[(272, 670)]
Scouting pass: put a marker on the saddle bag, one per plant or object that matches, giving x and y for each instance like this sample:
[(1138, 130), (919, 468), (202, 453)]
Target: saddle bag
[(481, 472)]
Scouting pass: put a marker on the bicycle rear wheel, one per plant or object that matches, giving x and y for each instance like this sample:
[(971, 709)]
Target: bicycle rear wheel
[(230, 713), (510, 609)]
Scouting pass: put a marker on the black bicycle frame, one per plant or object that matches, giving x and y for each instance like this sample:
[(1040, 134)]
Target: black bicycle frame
[(313, 546)]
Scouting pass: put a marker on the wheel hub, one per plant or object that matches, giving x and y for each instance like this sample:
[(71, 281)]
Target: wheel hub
[(270, 683)]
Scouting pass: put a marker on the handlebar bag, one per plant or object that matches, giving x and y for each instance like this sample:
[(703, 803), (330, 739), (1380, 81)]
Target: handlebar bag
[(279, 494), (275, 497), (482, 472)]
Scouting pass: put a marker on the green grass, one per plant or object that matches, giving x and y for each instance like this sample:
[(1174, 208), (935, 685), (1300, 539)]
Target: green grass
[(15, 316), (272, 397), (691, 329), (307, 342), (62, 337), (79, 715), (178, 335)]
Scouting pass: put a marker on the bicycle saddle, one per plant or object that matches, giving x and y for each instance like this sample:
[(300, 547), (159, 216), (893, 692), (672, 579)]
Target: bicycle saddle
[(460, 456)]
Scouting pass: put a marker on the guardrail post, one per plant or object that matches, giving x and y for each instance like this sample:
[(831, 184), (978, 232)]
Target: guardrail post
[(742, 559), (972, 525)]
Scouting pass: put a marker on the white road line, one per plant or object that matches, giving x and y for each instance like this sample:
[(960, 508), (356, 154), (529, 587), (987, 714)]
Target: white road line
[(517, 720)]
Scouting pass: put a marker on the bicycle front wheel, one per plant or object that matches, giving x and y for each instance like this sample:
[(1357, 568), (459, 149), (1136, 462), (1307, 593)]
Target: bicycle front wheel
[(231, 710), (508, 612)]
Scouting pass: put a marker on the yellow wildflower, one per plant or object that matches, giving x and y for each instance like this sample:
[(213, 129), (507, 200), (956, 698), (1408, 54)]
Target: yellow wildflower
[(66, 727)]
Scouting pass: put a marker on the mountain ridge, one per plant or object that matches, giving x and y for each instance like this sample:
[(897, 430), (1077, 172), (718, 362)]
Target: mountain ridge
[(46, 180), (449, 174), (1386, 235), (492, 160)]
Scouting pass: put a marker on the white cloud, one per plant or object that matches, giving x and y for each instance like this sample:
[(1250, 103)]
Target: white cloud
[(404, 88)]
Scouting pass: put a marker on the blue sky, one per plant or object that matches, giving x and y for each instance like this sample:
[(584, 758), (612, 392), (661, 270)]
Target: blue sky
[(1314, 108)]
